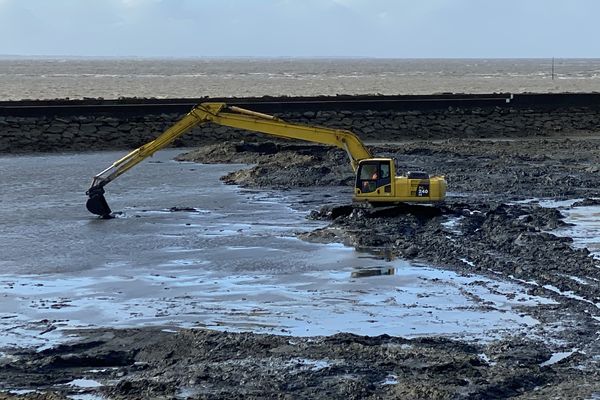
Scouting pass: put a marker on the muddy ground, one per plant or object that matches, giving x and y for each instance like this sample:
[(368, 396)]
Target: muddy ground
[(483, 228)]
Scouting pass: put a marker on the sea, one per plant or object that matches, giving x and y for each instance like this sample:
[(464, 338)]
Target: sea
[(112, 78)]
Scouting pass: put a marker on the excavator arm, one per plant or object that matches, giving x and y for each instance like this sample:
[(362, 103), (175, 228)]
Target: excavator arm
[(240, 118), (235, 117)]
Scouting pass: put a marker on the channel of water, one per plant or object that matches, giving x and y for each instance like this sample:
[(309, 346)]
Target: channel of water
[(230, 261)]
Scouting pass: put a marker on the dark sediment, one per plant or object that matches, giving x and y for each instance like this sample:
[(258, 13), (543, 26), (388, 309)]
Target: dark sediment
[(213, 365), (483, 228)]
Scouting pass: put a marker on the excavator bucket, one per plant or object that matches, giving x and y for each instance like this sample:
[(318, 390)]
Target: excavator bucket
[(96, 204)]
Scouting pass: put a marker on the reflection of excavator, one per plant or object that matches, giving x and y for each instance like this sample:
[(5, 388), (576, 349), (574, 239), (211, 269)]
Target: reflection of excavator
[(376, 180)]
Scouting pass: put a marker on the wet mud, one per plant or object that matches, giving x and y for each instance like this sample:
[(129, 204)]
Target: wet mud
[(501, 220), (208, 364)]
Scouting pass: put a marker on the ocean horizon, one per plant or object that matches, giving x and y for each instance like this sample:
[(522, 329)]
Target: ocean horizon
[(50, 77)]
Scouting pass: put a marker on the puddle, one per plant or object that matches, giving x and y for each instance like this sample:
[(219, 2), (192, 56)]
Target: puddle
[(86, 396), (187, 393), (558, 357), (308, 364), (452, 225), (84, 383), (483, 357), (469, 263), (395, 298), (570, 295), (21, 392), (585, 231)]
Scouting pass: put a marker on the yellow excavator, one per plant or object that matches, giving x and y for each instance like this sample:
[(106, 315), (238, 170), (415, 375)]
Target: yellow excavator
[(376, 181)]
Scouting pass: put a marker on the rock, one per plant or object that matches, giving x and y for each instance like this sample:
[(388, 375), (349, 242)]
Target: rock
[(587, 203), (411, 252), (56, 129)]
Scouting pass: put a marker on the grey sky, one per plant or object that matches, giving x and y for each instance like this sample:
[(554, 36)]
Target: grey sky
[(366, 28)]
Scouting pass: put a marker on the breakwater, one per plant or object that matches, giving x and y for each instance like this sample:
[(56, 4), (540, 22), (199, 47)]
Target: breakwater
[(96, 124)]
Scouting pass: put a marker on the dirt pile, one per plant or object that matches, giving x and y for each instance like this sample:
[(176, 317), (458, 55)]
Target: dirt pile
[(278, 165)]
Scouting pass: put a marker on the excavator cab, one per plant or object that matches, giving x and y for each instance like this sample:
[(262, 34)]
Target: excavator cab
[(377, 183), (374, 176)]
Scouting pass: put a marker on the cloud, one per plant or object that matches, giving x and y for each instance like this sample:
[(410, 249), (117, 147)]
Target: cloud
[(135, 3), (381, 28)]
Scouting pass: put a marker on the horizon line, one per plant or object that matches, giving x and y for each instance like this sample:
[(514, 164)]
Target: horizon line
[(263, 57)]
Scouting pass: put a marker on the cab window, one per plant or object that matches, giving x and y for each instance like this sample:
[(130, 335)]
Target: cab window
[(368, 171), (385, 170)]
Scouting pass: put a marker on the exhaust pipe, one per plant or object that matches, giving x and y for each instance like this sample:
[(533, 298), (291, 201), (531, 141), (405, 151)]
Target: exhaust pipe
[(96, 204)]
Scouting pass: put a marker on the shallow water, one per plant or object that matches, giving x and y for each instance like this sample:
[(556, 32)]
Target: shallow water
[(586, 227), (231, 261), (584, 223)]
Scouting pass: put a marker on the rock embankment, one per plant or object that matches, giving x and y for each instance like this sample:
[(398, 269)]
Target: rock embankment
[(102, 131)]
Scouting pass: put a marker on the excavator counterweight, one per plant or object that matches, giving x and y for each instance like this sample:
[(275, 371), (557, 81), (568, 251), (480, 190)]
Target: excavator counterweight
[(376, 180)]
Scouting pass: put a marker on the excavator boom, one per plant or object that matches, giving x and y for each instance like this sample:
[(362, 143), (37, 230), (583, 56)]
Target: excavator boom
[(273, 126)]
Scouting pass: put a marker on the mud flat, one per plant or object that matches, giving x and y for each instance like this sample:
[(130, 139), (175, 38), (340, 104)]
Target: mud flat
[(520, 212)]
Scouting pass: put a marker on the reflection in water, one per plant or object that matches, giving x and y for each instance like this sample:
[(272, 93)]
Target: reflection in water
[(376, 271)]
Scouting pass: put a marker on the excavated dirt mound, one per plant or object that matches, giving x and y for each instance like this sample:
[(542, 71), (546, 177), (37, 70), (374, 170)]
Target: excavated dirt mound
[(483, 228), (278, 165)]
